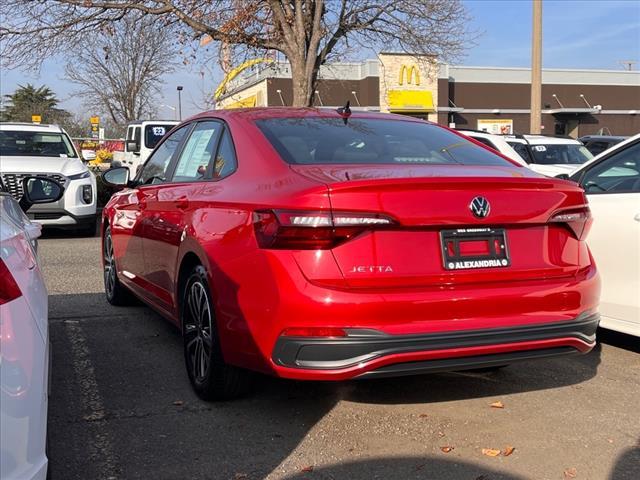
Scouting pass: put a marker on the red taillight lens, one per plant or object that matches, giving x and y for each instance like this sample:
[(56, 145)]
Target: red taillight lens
[(302, 230), (314, 332), (578, 220), (9, 289)]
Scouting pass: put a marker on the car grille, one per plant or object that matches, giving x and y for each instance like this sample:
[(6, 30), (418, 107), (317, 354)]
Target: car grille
[(13, 181)]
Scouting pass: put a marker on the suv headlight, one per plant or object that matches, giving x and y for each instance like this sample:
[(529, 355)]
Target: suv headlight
[(78, 176)]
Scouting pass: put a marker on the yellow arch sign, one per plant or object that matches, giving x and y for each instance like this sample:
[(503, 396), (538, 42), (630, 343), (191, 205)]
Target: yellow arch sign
[(235, 72), (409, 73)]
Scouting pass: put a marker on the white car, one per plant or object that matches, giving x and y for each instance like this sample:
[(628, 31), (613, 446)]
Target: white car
[(142, 138), (497, 142), (24, 335), (46, 150), (612, 183), (550, 156)]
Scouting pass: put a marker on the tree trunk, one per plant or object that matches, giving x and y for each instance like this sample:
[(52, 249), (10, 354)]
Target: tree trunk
[(303, 82)]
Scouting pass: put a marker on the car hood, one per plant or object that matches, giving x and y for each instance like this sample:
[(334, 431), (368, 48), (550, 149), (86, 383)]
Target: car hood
[(65, 166)]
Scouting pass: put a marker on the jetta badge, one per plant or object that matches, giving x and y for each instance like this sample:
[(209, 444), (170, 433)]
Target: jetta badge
[(480, 207)]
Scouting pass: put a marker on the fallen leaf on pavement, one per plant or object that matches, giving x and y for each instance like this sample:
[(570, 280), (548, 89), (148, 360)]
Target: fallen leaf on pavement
[(508, 451), (497, 405), (490, 452), (240, 476), (178, 403), (423, 415), (447, 448), (570, 473), (307, 469)]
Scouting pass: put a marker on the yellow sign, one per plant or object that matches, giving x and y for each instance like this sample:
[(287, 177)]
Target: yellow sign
[(36, 118), (496, 126), (409, 73), (411, 100), (246, 102), (95, 120)]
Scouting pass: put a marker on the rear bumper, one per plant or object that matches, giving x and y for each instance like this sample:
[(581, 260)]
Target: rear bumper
[(370, 353)]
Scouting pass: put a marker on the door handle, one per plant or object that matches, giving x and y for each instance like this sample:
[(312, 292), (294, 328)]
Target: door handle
[(182, 203)]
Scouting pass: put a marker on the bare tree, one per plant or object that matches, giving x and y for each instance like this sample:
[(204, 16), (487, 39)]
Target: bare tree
[(305, 31), (120, 73)]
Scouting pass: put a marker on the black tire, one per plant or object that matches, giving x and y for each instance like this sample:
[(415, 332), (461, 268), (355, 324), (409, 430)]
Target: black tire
[(116, 293), (210, 376)]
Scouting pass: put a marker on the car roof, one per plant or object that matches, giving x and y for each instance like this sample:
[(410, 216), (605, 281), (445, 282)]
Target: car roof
[(29, 127), (145, 122), (298, 112), (543, 140)]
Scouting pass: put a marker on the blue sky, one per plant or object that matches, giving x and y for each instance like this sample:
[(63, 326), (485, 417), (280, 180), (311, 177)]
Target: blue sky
[(576, 34)]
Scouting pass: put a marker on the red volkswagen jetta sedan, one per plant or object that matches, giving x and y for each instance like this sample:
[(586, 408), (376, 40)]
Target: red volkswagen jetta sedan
[(329, 245)]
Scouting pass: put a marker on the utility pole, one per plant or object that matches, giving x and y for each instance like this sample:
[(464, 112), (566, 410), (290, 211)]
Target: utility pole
[(536, 69)]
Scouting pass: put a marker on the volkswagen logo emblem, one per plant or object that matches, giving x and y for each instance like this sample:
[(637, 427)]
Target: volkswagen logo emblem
[(480, 207)]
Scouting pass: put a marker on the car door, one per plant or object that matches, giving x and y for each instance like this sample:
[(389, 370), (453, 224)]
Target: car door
[(131, 214), (170, 206), (613, 189)]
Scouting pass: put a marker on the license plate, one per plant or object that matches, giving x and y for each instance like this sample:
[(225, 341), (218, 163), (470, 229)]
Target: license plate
[(472, 248)]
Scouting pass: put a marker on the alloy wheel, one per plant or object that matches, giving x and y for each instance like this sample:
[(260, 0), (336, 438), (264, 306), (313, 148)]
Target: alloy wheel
[(109, 266), (198, 331)]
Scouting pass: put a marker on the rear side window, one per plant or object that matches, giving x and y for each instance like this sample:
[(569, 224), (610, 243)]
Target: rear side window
[(154, 133), (197, 153), (521, 149), (320, 141)]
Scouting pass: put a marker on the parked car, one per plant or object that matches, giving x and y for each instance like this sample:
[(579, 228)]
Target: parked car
[(597, 144), (550, 155), (46, 150), (496, 142), (141, 139), (329, 245), (612, 183), (24, 334)]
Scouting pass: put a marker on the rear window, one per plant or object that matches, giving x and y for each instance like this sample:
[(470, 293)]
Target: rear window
[(571, 154), (320, 141), (35, 144), (154, 133)]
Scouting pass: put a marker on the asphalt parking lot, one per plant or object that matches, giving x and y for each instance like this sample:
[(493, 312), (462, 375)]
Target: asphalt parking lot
[(121, 407)]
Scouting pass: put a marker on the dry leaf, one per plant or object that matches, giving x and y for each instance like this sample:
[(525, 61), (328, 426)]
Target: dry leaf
[(490, 452), (423, 415), (240, 476), (571, 473), (307, 469), (178, 403), (447, 448), (497, 404), (508, 451)]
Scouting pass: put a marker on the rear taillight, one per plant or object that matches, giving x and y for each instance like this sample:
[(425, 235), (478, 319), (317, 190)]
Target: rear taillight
[(9, 289), (578, 220), (304, 230)]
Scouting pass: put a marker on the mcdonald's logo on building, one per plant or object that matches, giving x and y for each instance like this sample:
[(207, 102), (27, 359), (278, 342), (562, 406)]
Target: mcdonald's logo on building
[(411, 74)]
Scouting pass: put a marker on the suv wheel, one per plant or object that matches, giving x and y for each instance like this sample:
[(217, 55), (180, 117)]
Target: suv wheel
[(210, 376), (116, 293)]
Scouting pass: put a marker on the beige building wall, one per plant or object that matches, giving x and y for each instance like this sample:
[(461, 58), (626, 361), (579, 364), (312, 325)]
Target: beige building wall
[(253, 96), (391, 67)]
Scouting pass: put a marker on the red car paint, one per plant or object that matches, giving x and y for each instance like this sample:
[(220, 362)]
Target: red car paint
[(389, 280)]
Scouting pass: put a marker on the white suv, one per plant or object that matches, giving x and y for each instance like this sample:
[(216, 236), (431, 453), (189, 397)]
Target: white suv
[(550, 155), (46, 150)]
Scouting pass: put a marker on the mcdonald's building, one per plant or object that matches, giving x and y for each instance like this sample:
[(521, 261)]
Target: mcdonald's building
[(496, 99)]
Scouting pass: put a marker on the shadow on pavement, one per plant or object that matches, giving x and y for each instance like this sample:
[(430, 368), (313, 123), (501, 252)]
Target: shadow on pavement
[(122, 407), (627, 466), (620, 340)]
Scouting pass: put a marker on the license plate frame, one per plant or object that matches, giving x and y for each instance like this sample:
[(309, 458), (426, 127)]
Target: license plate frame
[(498, 256)]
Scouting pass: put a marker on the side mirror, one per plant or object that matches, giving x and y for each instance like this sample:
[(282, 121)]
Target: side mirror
[(133, 146), (88, 155), (117, 177), (36, 190)]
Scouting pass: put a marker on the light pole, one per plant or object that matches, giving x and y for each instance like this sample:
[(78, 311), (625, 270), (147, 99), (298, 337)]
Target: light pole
[(536, 69), (179, 103)]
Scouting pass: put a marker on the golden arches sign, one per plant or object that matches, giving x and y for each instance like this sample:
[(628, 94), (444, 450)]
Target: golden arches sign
[(409, 73)]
